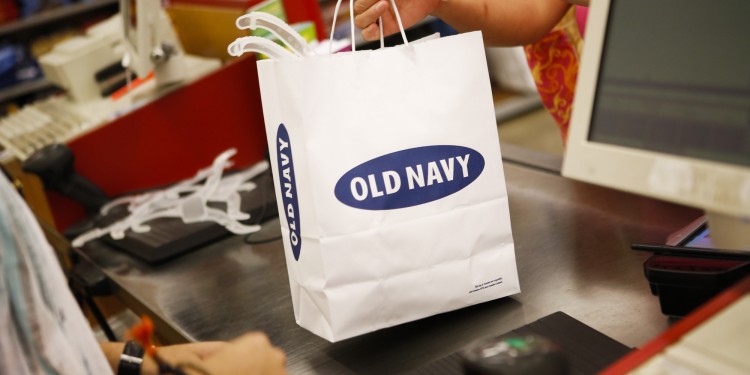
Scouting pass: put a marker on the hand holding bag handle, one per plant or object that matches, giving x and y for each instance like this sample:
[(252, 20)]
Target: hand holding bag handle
[(289, 36), (380, 22)]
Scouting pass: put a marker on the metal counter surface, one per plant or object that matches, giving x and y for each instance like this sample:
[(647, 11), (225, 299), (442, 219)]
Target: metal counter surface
[(572, 248)]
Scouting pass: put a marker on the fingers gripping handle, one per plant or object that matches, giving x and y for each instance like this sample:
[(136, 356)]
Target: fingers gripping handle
[(351, 13)]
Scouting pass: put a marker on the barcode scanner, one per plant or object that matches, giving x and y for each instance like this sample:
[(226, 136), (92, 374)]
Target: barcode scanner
[(54, 166)]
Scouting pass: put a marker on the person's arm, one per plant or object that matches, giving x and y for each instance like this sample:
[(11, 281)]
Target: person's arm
[(112, 351), (173, 354), (251, 353), (502, 22)]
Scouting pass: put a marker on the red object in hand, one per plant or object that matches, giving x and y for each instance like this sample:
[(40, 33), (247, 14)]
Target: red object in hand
[(142, 333)]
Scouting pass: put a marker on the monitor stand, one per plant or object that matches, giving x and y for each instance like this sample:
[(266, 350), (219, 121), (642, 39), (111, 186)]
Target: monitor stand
[(729, 232)]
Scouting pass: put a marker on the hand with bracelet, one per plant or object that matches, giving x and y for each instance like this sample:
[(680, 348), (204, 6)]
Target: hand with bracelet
[(251, 353)]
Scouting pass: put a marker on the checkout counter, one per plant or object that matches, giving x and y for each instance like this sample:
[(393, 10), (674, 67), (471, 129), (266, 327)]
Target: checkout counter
[(572, 246), (572, 243)]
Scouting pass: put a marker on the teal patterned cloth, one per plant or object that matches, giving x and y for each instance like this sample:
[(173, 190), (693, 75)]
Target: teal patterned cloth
[(43, 331)]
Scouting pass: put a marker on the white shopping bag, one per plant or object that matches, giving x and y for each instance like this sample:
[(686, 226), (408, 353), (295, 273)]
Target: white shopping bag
[(390, 184)]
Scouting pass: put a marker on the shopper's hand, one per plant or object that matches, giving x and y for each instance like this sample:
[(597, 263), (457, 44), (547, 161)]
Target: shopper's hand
[(249, 354), (367, 12), (196, 353)]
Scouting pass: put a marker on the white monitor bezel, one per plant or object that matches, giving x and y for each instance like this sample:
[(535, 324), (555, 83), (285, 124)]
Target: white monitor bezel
[(713, 186)]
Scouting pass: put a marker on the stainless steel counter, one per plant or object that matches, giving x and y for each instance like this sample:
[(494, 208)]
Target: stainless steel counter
[(572, 247)]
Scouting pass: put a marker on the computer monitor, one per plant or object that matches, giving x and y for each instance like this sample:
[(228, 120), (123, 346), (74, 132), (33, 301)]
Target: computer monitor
[(662, 107), (150, 42)]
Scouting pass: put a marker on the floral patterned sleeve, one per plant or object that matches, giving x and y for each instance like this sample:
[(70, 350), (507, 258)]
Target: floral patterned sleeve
[(553, 61)]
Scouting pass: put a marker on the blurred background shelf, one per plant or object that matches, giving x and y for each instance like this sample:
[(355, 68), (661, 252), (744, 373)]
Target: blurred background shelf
[(60, 13), (24, 88), (27, 37)]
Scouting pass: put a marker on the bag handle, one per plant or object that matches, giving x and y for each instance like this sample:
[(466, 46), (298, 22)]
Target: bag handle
[(351, 17), (277, 27), (260, 45)]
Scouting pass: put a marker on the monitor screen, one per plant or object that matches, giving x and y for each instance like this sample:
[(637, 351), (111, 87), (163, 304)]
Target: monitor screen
[(674, 78)]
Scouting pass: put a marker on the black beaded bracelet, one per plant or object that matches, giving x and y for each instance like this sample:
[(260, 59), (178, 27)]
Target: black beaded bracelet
[(131, 359)]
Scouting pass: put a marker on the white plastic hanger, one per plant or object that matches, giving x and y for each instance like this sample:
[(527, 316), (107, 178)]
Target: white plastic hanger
[(277, 27), (188, 200), (260, 45)]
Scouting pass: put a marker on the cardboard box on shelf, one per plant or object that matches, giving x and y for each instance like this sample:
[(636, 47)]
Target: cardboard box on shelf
[(206, 27)]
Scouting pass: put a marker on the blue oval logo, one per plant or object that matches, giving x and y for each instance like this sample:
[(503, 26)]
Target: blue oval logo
[(409, 177), (288, 186)]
